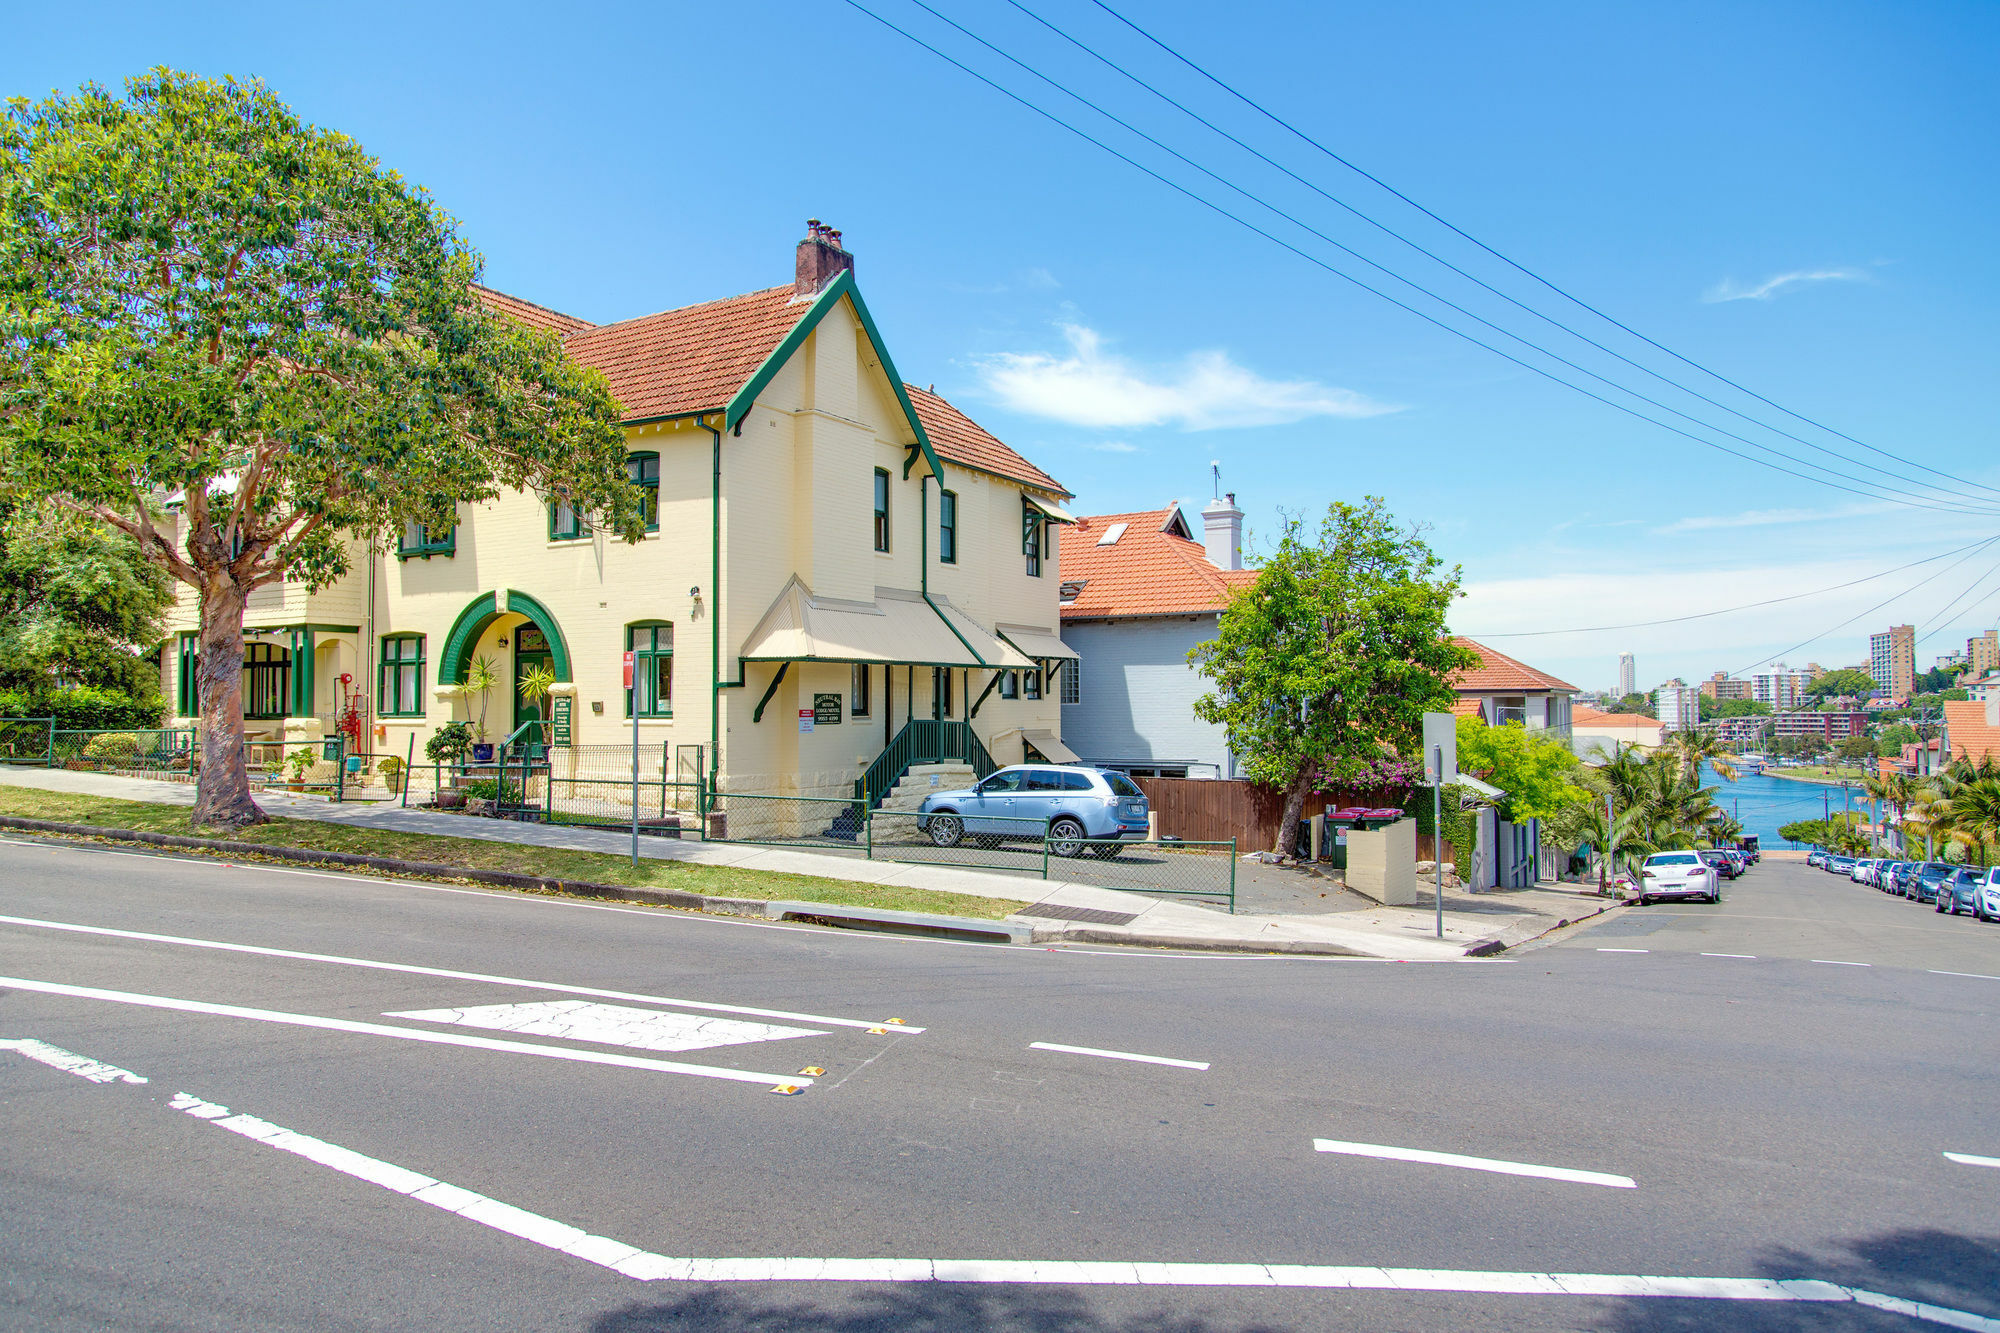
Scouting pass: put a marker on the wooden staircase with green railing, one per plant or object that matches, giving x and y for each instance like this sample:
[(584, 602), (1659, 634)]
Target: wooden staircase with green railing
[(922, 740)]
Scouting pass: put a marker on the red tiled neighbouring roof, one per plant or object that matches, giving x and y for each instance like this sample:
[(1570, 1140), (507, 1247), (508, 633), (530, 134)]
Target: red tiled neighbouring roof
[(527, 312), (1147, 572), (1581, 715), (959, 438), (1971, 737), (689, 360), (1501, 672)]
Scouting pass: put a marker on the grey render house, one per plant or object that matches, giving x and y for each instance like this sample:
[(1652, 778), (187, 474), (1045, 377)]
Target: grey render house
[(1138, 593)]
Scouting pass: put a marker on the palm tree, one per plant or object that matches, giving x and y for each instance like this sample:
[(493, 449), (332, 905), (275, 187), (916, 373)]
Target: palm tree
[(1690, 748), (1975, 816)]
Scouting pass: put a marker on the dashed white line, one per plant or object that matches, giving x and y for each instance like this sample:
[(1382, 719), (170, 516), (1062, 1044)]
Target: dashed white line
[(1967, 1159), (1840, 962), (1475, 1163), (1729, 955), (645, 1266), (402, 1034), (1979, 976), (1602, 950), (1117, 1055), (70, 1062), (446, 973)]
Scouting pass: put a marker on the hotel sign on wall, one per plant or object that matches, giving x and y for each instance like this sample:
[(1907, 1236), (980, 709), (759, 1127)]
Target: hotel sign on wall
[(559, 722), (826, 710)]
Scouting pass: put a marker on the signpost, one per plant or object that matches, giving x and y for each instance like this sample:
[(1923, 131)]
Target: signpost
[(1440, 769), (632, 707)]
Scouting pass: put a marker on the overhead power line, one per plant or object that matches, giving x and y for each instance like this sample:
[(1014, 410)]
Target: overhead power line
[(1974, 549), (1578, 301), (1939, 622), (1731, 610), (1405, 306)]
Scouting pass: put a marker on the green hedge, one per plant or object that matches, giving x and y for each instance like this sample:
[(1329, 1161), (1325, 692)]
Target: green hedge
[(1458, 824), (85, 708)]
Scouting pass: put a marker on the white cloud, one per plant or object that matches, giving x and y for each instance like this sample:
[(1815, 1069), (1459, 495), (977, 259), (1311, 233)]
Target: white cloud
[(1730, 290), (1770, 518), (1116, 447), (1204, 391)]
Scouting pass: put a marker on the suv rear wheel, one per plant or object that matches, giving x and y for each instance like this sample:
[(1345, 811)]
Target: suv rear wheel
[(946, 830), (1065, 837)]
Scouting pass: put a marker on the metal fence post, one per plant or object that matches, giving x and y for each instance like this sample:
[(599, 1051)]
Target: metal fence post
[(1045, 852), (340, 769), (1232, 876), (868, 821), (411, 759)]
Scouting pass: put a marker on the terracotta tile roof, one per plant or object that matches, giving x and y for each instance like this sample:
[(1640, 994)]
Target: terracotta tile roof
[(1582, 715), (1466, 708), (1149, 571), (535, 316), (1971, 735), (1503, 674), (959, 438), (689, 360)]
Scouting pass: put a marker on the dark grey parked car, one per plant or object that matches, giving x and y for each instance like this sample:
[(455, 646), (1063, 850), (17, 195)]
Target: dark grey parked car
[(1073, 807), (1930, 876)]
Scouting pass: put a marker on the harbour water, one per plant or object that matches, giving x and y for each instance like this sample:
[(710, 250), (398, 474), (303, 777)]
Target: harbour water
[(1761, 804)]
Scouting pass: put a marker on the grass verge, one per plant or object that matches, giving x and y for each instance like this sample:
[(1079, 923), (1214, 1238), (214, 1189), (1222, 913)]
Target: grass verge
[(476, 854)]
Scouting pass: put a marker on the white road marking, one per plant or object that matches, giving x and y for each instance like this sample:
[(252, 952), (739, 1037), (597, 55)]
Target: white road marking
[(645, 1266), (1980, 976), (403, 1034), (1475, 1163), (610, 1025), (70, 1062), (1967, 1159), (445, 973), (1836, 962), (1117, 1055), (1624, 950), (1729, 955)]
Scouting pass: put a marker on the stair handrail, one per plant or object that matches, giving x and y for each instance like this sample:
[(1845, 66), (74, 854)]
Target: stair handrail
[(922, 740)]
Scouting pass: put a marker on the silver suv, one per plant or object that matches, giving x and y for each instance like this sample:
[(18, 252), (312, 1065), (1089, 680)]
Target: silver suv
[(1072, 807)]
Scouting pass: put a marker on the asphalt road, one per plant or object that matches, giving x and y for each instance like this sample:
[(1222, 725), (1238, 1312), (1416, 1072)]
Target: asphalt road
[(1703, 1115)]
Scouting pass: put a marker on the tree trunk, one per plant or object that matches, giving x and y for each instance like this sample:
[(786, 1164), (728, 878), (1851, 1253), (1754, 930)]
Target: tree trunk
[(1288, 820), (222, 793)]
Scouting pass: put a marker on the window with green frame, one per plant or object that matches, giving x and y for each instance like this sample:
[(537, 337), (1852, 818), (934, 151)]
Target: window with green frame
[(420, 539), (1031, 537), (643, 471), (566, 523), (881, 509), (1010, 685), (400, 690), (1031, 684), (948, 527), (652, 647), (187, 692)]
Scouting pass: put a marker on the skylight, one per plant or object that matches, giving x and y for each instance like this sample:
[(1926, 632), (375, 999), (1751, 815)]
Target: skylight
[(1111, 535)]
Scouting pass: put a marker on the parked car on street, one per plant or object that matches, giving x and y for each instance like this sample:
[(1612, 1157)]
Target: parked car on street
[(1816, 858), (1678, 875), (1075, 808), (1861, 870), (1925, 883), (1986, 900), (1838, 865), (1741, 861), (1724, 867), (1748, 845), (1959, 891), (1894, 876)]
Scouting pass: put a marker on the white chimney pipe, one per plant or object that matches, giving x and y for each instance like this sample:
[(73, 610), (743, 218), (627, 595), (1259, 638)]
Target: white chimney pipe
[(1222, 532)]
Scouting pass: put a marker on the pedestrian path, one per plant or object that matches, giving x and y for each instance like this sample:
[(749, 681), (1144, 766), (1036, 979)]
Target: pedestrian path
[(1059, 910)]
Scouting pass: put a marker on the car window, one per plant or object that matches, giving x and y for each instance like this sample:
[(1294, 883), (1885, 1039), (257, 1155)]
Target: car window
[(1122, 785), (1009, 780), (1673, 859), (1076, 782), (1041, 779)]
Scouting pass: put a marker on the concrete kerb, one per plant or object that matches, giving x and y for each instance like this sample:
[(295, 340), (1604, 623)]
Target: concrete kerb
[(835, 914)]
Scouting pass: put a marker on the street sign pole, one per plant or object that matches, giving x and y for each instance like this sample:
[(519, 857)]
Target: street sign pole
[(1437, 833), (1441, 761), (632, 707)]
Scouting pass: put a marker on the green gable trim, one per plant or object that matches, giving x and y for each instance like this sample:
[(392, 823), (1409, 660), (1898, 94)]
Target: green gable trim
[(483, 611), (842, 286)]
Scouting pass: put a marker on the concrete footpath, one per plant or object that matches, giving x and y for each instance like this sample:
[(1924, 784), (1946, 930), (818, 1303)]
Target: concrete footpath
[(1056, 911)]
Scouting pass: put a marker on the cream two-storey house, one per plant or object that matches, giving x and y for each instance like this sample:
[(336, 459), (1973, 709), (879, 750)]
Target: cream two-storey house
[(844, 575)]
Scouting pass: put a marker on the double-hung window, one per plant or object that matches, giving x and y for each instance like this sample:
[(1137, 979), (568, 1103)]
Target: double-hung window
[(187, 696), (941, 690), (1031, 684), (857, 705), (1031, 537), (424, 540), (881, 509), (947, 527), (1010, 685), (643, 471), (566, 522), (400, 691), (652, 648)]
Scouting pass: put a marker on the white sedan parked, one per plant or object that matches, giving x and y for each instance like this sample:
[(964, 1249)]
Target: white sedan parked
[(1678, 875)]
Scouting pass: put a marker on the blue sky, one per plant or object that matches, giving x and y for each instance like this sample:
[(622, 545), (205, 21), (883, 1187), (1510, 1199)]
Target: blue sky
[(1798, 195)]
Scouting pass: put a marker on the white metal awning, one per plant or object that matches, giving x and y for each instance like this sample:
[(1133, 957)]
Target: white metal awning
[(1052, 749), (1049, 507), (1037, 643), (899, 627)]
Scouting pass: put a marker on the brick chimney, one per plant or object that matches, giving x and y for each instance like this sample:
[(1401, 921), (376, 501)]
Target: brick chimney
[(820, 260), (1222, 532)]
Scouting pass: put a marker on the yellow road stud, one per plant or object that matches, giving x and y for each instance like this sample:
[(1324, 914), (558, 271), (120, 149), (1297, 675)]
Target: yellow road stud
[(788, 1090), (895, 1020), (878, 1032), (812, 1071)]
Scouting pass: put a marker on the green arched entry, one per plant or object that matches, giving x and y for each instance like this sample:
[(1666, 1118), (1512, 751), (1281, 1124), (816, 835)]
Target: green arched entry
[(483, 611)]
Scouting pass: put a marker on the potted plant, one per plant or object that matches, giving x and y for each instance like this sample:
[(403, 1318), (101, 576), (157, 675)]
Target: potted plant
[(272, 768), (535, 688), (299, 761), (480, 677), (391, 769), (449, 745)]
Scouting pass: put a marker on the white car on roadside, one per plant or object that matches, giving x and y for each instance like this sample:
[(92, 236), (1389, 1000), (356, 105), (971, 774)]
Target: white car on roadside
[(1678, 875)]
